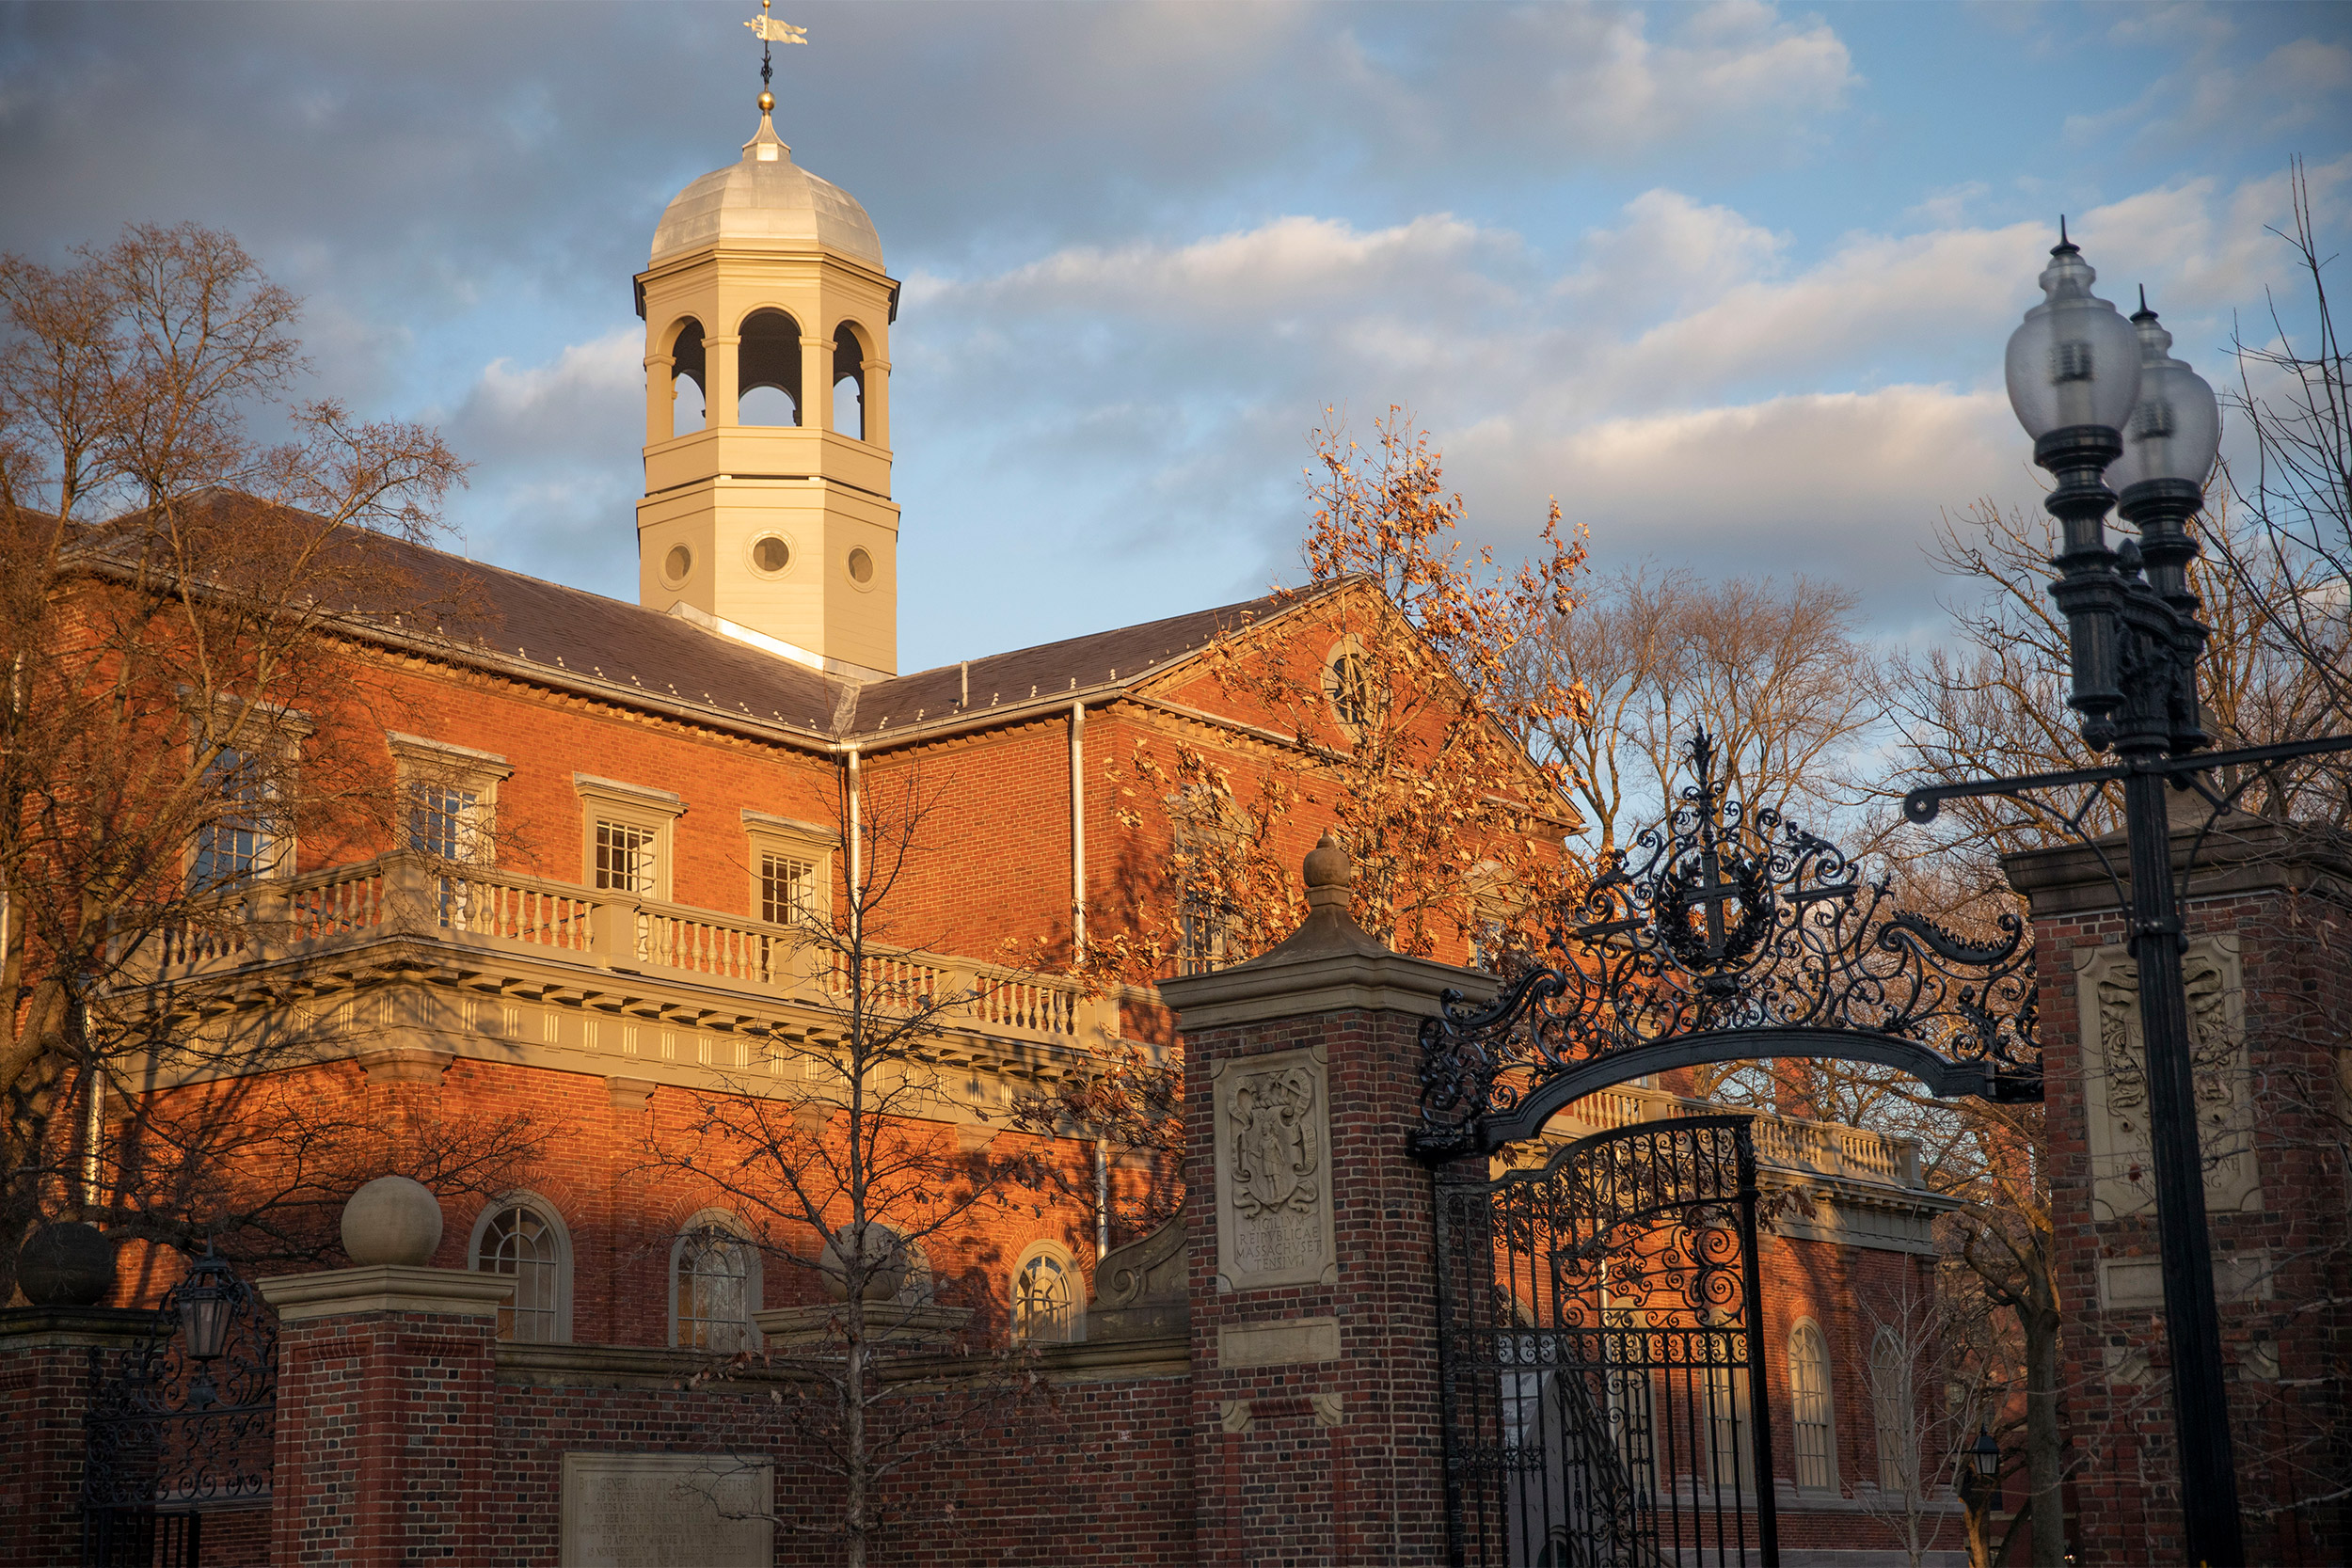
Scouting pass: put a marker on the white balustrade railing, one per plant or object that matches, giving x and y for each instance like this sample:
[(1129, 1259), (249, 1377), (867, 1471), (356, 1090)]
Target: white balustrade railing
[(1827, 1149), (612, 930)]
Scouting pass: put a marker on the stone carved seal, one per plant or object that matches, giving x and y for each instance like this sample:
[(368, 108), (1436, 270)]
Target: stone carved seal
[(1277, 1161)]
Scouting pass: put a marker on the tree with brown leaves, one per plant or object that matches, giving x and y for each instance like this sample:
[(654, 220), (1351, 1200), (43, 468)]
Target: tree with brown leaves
[(178, 715)]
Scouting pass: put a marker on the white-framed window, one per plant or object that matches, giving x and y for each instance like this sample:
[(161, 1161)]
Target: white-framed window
[(1809, 1408), (244, 837), (450, 793), (1204, 922), (627, 836), (792, 867), (1048, 1296), (1892, 1412), (523, 1235), (714, 1285)]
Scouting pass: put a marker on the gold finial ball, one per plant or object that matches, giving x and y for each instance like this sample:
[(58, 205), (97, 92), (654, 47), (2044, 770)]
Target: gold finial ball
[(767, 101)]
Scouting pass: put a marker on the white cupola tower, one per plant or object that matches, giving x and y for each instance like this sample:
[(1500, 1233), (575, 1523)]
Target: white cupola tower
[(767, 512)]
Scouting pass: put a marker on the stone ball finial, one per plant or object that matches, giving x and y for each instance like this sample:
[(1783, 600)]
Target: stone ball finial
[(393, 1220), (1329, 875), (886, 1262), (66, 1263)]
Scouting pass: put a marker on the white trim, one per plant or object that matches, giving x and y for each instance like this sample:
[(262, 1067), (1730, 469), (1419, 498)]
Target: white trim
[(417, 747), (594, 788)]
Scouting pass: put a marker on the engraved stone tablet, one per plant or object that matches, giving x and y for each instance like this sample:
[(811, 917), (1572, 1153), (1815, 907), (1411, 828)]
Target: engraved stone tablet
[(1274, 1172), (2115, 1084), (668, 1511)]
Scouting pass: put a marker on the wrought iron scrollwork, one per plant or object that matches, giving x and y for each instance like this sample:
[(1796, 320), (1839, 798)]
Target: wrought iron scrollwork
[(174, 1432), (1598, 1316), (1727, 932)]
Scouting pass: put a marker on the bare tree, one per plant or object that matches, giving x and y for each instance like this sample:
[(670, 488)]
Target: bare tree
[(2296, 492), (171, 589), (1930, 1375), (1781, 677), (841, 1165)]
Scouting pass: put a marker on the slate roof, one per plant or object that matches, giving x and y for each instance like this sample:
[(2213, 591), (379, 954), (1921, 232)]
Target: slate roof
[(573, 635)]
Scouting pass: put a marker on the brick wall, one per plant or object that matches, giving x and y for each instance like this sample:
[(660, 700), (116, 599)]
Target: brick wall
[(47, 1356), (2288, 1351)]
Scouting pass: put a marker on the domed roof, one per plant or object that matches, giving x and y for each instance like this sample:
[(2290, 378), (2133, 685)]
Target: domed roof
[(765, 202)]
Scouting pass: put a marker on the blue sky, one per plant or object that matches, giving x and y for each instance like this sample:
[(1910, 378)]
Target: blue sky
[(1731, 281)]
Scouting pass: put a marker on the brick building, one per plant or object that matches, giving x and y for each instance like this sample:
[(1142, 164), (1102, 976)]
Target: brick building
[(619, 824)]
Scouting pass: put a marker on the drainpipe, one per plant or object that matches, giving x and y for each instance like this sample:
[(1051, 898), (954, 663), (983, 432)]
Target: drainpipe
[(1102, 1199), (857, 859), (95, 1115), (1077, 830)]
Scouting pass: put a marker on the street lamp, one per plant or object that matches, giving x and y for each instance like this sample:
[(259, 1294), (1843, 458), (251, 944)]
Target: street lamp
[(1986, 1454), (206, 1297), (2103, 397), (2105, 400)]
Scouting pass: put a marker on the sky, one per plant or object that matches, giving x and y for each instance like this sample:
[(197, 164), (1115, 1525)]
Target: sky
[(1730, 280)]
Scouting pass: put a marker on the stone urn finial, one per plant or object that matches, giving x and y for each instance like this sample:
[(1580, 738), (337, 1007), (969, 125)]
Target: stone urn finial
[(1329, 875), (393, 1220)]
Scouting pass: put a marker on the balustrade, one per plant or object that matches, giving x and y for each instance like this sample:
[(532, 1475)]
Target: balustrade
[(402, 895), (1826, 1149)]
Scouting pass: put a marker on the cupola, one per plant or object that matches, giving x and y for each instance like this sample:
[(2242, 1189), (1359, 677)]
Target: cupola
[(767, 513)]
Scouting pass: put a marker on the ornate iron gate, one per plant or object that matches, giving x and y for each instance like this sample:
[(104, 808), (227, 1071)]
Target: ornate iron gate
[(1605, 1404), (185, 1427)]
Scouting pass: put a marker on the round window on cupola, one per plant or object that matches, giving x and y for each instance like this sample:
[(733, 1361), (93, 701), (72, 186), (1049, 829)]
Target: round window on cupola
[(861, 565), (676, 565), (771, 555)]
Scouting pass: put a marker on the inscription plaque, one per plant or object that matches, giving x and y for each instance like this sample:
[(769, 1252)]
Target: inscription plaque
[(1274, 1172), (668, 1511)]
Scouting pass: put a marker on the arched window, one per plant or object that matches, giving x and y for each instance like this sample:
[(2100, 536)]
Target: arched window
[(848, 383), (689, 380), (1047, 1297), (523, 1236), (1809, 1408), (1892, 1408), (767, 369), (714, 1285), (1347, 682)]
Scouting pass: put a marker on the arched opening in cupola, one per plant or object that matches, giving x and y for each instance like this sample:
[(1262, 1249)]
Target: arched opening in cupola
[(689, 380), (767, 371), (848, 383)]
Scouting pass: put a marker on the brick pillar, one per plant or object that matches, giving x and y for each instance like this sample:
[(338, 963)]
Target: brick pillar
[(1314, 1319), (385, 1402), (47, 1359), (2270, 967)]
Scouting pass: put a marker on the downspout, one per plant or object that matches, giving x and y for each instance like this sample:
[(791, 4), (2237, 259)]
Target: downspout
[(857, 858), (1101, 1201), (94, 1128), (1078, 831)]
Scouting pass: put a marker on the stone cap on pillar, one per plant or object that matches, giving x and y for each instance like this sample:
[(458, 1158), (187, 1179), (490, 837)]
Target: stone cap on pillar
[(2242, 853), (1328, 965), (385, 1288)]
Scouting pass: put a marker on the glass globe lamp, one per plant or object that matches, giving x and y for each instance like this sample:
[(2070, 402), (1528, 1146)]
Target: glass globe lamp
[(2174, 430), (2073, 362)]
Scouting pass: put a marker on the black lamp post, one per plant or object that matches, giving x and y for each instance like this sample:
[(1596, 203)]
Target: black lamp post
[(2101, 394), (2103, 400)]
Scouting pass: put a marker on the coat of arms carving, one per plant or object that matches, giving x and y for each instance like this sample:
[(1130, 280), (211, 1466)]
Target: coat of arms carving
[(1276, 1163)]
